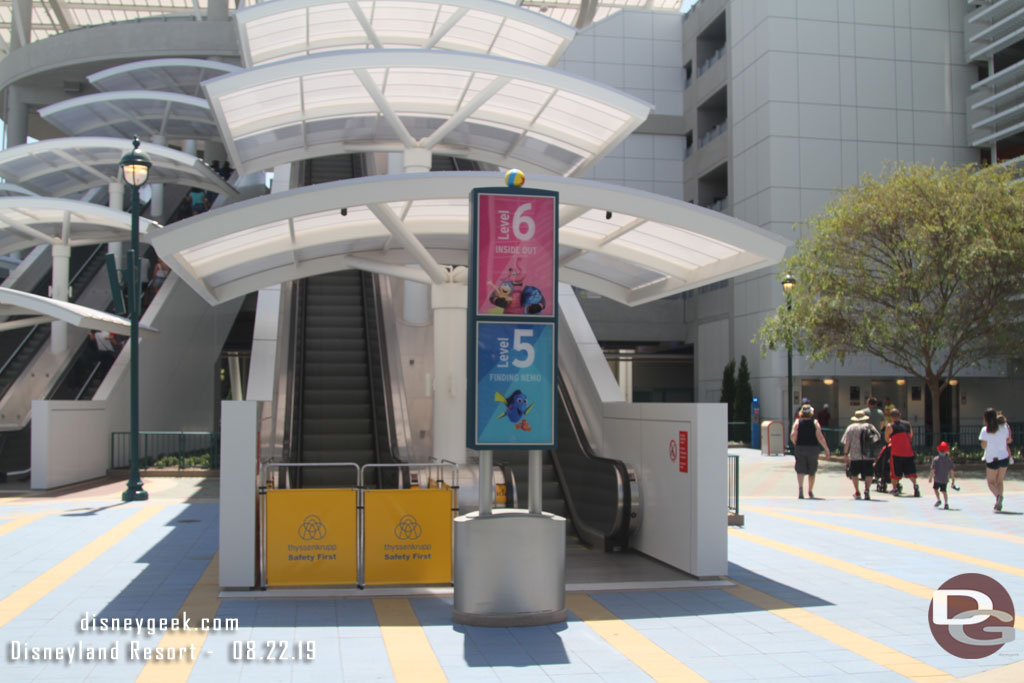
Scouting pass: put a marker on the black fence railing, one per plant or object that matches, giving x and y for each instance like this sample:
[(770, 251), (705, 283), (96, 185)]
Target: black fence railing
[(167, 450)]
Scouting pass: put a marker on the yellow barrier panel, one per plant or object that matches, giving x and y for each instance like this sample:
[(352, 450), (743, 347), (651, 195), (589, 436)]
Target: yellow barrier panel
[(311, 537), (407, 537)]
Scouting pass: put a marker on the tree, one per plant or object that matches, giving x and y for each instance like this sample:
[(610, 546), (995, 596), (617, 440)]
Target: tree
[(923, 268), (729, 392), (744, 396)]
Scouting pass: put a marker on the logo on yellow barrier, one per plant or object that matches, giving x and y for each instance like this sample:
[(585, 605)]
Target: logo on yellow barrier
[(408, 529), (312, 529)]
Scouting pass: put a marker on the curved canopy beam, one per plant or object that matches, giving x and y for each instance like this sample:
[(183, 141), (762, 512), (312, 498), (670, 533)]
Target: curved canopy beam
[(484, 108), (28, 221), (178, 75), (126, 113), (15, 302), (68, 167), (272, 31), (648, 247)]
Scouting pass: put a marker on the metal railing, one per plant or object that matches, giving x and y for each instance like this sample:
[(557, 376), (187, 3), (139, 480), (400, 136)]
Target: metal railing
[(734, 484), (167, 450)]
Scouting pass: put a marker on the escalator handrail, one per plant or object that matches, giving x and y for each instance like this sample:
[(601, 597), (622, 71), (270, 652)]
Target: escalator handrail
[(371, 307), (32, 330), (293, 428), (618, 537), (88, 380)]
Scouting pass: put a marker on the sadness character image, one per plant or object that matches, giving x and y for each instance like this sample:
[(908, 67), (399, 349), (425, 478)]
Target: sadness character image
[(510, 295), (516, 408)]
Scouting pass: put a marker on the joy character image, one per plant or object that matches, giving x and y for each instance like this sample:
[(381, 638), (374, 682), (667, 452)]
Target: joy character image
[(516, 408), (501, 295)]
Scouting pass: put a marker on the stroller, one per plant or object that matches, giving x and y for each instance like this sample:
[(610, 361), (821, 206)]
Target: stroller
[(883, 471)]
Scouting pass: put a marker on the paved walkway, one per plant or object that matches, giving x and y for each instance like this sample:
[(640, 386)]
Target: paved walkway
[(832, 589)]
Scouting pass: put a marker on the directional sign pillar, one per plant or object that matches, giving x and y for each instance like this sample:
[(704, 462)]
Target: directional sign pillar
[(509, 563)]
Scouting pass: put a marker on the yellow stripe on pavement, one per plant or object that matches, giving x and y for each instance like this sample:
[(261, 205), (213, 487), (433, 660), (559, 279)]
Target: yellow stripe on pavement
[(26, 596), (869, 649), (655, 662), (1009, 538), (21, 521), (412, 658), (887, 580), (202, 603), (910, 545)]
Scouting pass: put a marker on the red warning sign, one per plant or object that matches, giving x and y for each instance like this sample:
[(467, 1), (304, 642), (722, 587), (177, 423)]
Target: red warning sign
[(684, 451)]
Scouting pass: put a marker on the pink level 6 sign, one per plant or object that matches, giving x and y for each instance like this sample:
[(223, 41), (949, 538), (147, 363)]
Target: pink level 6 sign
[(515, 273)]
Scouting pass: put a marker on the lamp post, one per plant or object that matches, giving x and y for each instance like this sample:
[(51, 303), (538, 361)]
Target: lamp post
[(788, 282), (135, 166)]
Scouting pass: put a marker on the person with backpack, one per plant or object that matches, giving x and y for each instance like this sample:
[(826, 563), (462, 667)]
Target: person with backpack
[(899, 435), (859, 441)]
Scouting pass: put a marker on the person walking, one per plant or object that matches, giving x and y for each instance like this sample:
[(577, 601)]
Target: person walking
[(941, 472), (859, 441), (899, 435), (994, 438), (806, 438)]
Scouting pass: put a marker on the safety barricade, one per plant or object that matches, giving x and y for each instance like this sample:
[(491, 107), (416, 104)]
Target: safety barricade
[(310, 536), (360, 536), (407, 533)]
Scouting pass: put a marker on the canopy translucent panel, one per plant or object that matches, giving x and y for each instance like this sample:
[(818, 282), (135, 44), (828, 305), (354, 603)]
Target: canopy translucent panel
[(581, 13), (126, 113), (28, 221), (484, 108), (650, 246), (49, 18), (14, 302), (182, 76), (284, 29), (67, 167)]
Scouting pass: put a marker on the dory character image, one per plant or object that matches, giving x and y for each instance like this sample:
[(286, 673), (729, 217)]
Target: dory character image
[(516, 408)]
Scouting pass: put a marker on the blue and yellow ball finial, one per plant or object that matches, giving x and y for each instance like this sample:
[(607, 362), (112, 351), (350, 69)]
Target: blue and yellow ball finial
[(515, 178)]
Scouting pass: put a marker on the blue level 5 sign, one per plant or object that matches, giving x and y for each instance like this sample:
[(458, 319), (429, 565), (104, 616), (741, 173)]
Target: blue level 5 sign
[(514, 385)]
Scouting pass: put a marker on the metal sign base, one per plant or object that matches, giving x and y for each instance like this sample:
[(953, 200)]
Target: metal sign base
[(509, 569)]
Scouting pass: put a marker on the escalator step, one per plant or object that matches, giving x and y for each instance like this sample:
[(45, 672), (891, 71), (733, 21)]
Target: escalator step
[(336, 426), (336, 383), (337, 442), (338, 411)]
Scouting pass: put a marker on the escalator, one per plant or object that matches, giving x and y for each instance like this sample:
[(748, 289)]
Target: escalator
[(597, 496), (340, 410), (20, 347)]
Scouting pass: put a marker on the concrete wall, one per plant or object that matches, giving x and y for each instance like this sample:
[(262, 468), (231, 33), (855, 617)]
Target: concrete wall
[(70, 442), (685, 515)]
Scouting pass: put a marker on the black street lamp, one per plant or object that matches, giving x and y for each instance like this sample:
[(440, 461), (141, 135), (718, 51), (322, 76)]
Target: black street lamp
[(135, 165), (788, 283)]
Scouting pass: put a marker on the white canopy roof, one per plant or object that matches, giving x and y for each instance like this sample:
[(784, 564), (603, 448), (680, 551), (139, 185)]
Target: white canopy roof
[(488, 109), (272, 31), (65, 167), (56, 16), (650, 247), (28, 221), (178, 75), (126, 113), (14, 302), (582, 13)]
